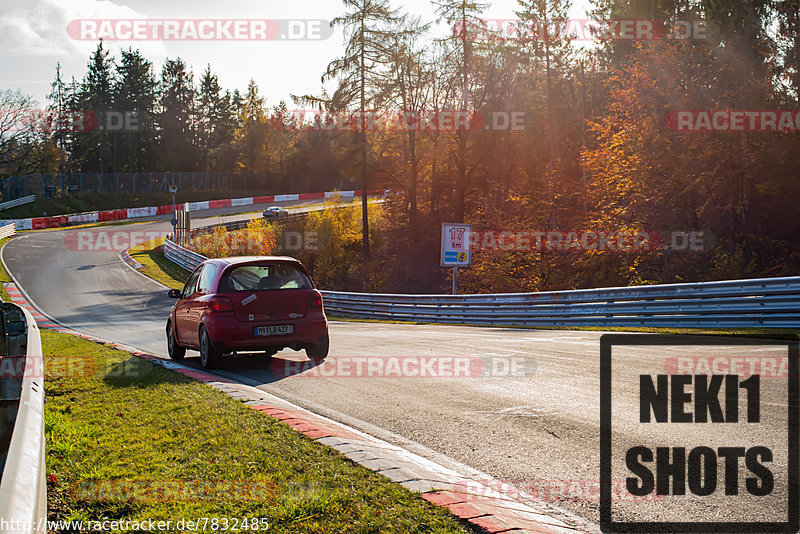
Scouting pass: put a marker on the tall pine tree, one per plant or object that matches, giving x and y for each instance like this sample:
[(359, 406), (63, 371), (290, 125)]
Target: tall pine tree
[(176, 117), (463, 16), (93, 149), (368, 26), (135, 93)]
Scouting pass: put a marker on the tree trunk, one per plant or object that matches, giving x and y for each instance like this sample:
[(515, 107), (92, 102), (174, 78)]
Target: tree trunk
[(461, 178), (364, 212), (412, 149)]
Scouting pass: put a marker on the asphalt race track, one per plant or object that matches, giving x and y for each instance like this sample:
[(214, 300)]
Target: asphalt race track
[(538, 429)]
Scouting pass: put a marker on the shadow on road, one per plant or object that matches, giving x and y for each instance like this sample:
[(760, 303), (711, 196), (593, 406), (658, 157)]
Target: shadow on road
[(140, 373), (258, 366)]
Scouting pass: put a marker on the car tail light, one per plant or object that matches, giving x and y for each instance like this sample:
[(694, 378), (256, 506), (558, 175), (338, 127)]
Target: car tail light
[(221, 304), (315, 300)]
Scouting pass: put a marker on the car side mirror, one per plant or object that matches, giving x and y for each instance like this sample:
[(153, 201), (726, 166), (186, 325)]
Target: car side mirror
[(174, 293)]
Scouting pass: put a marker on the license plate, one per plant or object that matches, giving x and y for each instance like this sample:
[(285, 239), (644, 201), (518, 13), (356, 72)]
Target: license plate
[(276, 330)]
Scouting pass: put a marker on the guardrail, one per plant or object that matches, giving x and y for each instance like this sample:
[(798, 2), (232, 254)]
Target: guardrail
[(762, 302), (7, 230), (23, 487), (177, 254), (17, 202), (766, 302)]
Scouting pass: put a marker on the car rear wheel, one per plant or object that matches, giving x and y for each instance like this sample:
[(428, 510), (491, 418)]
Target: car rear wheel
[(318, 351), (175, 351), (209, 357)]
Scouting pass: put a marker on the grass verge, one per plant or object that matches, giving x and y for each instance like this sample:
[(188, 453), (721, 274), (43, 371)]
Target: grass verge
[(3, 274), (130, 423), (157, 266)]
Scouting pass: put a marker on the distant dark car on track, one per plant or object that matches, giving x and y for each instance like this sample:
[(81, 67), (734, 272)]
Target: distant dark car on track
[(247, 304), (274, 212)]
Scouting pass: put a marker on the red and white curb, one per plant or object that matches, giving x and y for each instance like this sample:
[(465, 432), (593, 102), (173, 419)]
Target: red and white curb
[(473, 497), (19, 299), (126, 257)]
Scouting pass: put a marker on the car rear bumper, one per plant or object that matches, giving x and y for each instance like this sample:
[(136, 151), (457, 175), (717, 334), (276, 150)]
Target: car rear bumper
[(228, 334)]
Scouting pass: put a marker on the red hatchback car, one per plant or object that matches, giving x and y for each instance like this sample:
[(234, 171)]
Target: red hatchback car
[(247, 304)]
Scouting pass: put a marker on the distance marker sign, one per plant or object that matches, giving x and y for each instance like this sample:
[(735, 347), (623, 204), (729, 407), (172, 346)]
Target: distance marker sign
[(456, 239)]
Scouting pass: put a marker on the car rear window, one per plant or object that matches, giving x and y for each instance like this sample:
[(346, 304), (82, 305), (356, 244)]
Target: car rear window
[(264, 277)]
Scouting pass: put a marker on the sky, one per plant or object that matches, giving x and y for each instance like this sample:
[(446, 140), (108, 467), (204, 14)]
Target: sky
[(36, 34)]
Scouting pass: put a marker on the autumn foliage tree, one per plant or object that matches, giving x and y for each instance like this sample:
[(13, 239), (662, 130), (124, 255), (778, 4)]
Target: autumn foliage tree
[(591, 146)]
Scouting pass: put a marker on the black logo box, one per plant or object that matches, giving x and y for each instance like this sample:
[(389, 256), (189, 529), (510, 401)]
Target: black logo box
[(607, 524)]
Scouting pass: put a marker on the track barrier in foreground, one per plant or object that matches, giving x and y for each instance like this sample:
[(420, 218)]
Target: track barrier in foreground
[(754, 303), (23, 487), (7, 230), (184, 257)]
